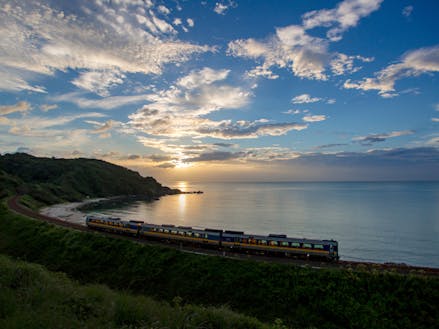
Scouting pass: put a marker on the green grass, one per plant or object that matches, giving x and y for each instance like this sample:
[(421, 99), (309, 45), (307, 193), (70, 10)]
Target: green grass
[(32, 297), (301, 297)]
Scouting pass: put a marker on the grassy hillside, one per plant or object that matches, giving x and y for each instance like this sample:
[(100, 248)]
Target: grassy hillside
[(301, 297), (50, 180), (32, 297)]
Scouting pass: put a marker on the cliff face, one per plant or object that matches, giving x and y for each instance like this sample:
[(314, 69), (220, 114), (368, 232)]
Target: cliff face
[(50, 180)]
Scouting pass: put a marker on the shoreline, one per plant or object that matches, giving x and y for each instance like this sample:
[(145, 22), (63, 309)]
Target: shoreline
[(68, 212), (399, 268)]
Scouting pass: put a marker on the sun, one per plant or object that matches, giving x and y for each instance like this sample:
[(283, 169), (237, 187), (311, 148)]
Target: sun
[(181, 164)]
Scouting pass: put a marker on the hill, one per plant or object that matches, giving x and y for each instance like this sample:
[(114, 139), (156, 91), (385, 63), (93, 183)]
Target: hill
[(52, 180)]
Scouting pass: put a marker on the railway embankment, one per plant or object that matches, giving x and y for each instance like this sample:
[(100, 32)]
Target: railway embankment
[(300, 296)]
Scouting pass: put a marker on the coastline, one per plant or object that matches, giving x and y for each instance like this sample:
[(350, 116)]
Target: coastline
[(69, 212)]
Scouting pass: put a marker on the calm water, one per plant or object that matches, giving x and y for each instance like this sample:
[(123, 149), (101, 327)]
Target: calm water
[(382, 222)]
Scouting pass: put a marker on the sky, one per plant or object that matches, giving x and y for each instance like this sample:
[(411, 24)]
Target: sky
[(225, 90)]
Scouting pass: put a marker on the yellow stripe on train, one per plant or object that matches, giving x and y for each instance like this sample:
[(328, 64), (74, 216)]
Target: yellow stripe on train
[(204, 240)]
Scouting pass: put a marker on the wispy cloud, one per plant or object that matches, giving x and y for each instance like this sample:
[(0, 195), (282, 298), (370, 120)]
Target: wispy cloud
[(376, 138), (48, 107), (41, 39), (21, 106), (305, 99), (99, 82), (342, 64), (347, 14), (307, 56), (107, 103), (223, 6), (407, 11), (181, 110), (412, 64), (314, 118)]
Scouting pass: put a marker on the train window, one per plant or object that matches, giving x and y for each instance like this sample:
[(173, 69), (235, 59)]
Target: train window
[(197, 235), (284, 244), (295, 244), (274, 243), (165, 231), (206, 236), (307, 245), (161, 230), (181, 233), (264, 242), (318, 246)]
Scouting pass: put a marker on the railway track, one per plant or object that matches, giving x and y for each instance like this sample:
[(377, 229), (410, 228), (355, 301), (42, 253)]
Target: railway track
[(14, 204)]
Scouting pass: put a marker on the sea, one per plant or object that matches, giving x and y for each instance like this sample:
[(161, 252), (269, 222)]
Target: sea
[(396, 222)]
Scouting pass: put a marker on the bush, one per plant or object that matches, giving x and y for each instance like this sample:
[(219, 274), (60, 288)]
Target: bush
[(32, 297)]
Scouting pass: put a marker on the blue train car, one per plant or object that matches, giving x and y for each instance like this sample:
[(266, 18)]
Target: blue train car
[(237, 241)]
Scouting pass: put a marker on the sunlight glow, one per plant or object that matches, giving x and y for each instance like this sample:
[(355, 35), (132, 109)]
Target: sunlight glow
[(180, 164)]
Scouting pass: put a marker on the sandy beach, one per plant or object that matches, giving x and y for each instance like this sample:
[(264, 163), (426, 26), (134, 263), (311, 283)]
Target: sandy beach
[(68, 211)]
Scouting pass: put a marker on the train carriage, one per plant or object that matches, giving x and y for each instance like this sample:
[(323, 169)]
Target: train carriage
[(237, 241)]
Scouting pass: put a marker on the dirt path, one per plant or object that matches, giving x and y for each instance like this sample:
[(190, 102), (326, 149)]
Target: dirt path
[(14, 204)]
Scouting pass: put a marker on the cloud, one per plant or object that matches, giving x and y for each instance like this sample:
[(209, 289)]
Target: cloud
[(181, 110), (226, 145), (245, 130), (164, 10), (48, 107), (98, 37), (435, 119), (190, 22), (166, 165), (346, 15), (205, 76), (222, 7), (103, 128), (325, 146), (305, 99), (407, 11), (261, 71), (107, 103), (216, 156), (11, 81), (292, 112), (5, 121), (159, 157), (376, 138), (99, 82), (31, 123), (21, 106), (314, 118), (292, 47), (342, 64), (412, 64)]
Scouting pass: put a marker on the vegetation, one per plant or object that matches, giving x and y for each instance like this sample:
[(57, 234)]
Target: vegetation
[(50, 180), (301, 297), (32, 297)]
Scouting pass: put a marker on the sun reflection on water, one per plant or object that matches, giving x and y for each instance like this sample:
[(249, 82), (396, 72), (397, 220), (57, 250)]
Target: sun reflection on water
[(182, 185), (182, 206)]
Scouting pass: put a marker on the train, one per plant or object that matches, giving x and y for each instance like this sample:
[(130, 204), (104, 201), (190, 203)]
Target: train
[(225, 240)]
